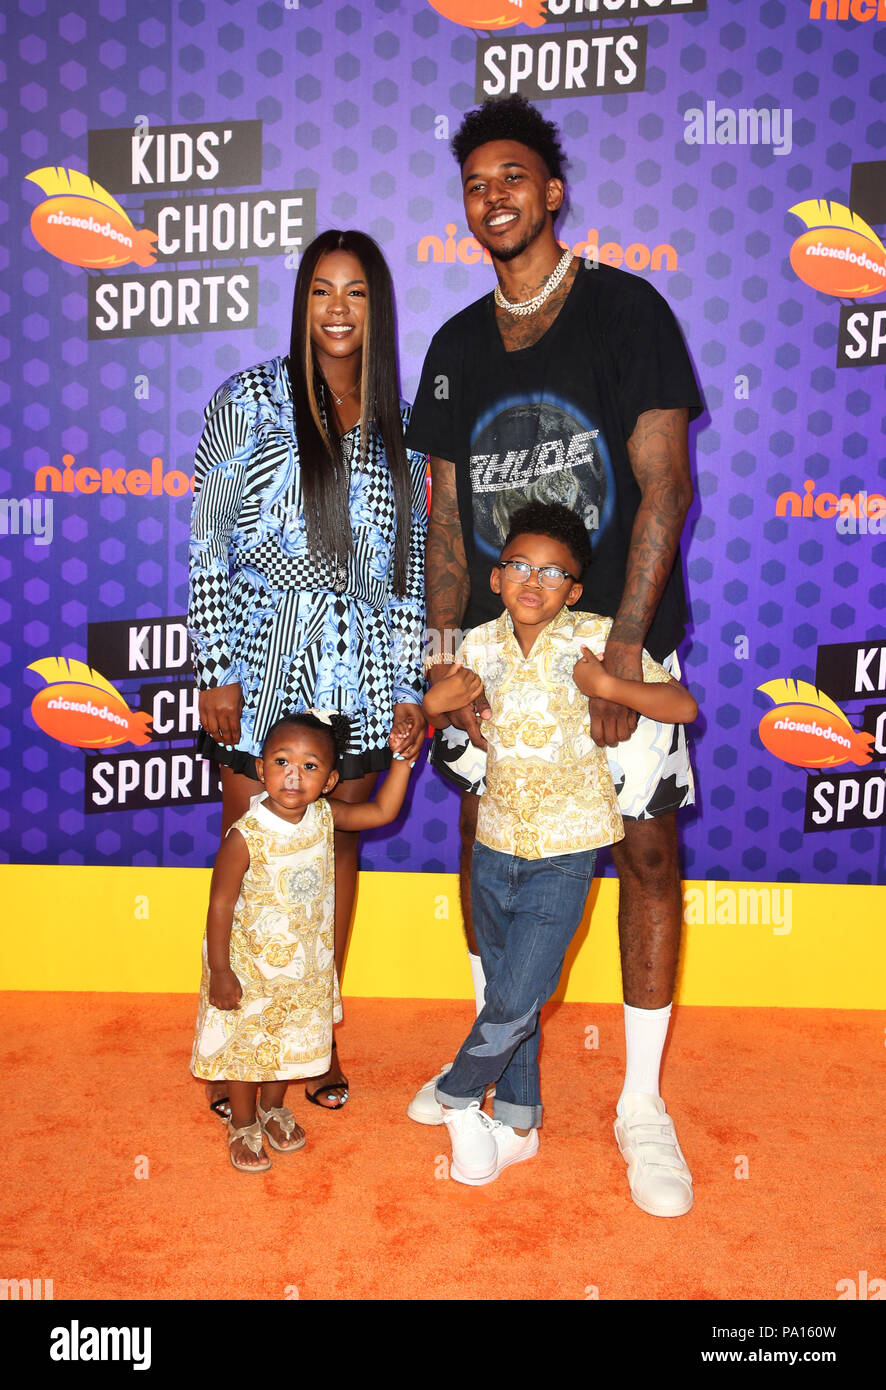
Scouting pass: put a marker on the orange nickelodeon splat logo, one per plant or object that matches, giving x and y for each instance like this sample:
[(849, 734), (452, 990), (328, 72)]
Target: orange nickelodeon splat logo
[(491, 14), (840, 254), (806, 728), (82, 224), (80, 707)]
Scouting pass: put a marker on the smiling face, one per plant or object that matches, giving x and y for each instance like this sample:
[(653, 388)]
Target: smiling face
[(509, 197), (530, 605), (296, 769), (337, 308)]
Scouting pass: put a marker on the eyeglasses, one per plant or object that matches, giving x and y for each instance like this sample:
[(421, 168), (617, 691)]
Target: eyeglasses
[(549, 576)]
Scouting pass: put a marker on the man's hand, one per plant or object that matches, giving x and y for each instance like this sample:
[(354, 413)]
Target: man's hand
[(469, 715), (219, 713), (613, 724), (408, 731), (225, 990)]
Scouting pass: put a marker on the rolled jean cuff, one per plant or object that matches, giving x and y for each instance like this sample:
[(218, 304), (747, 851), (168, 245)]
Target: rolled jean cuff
[(517, 1116), (457, 1102)]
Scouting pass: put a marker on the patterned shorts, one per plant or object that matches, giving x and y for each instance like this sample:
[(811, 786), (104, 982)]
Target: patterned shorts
[(651, 770)]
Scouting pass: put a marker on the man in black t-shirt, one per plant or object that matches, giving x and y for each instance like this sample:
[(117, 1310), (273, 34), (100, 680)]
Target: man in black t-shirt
[(571, 384)]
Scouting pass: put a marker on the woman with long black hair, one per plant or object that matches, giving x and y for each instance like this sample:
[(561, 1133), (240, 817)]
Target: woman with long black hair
[(307, 550)]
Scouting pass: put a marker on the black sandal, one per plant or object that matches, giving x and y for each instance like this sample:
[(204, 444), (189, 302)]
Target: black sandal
[(222, 1107), (330, 1086)]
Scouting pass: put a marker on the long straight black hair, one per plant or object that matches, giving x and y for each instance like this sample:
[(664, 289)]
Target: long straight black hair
[(323, 475)]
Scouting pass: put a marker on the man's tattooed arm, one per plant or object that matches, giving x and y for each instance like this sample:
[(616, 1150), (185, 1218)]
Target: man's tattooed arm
[(658, 451), (447, 584), (447, 587)]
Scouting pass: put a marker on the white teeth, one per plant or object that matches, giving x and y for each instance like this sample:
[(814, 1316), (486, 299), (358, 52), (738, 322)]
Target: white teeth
[(501, 218)]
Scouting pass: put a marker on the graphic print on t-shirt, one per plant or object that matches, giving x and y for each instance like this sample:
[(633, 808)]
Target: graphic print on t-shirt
[(539, 449)]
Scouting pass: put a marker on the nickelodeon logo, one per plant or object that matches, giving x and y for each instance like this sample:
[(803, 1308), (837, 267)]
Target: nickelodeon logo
[(467, 250), (847, 9), (828, 505), (839, 254), (503, 14), (81, 223), (121, 482), (807, 729), (80, 707)]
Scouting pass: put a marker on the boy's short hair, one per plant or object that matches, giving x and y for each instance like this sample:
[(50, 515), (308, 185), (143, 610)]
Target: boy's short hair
[(511, 118), (336, 728), (556, 521)]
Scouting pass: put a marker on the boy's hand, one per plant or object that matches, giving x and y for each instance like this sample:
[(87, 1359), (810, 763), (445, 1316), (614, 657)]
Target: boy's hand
[(225, 990), (589, 674), (612, 723), (460, 695)]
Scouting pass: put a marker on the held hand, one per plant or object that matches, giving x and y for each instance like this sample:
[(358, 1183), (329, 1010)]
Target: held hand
[(612, 724), (408, 731), (465, 717), (225, 990), (219, 713), (587, 673)]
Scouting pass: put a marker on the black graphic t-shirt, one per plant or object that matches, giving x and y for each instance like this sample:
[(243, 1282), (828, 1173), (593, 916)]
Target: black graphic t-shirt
[(551, 422)]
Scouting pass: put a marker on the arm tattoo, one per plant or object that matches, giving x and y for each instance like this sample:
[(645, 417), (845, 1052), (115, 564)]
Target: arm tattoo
[(659, 453), (447, 584)]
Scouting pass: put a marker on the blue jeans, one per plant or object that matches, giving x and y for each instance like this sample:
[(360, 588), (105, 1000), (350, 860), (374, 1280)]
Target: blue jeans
[(526, 912)]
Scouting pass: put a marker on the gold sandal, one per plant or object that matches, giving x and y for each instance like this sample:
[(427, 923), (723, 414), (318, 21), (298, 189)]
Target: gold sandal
[(251, 1136), (287, 1122)]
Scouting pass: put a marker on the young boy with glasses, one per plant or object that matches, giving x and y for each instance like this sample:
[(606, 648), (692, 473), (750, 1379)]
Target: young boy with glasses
[(549, 804)]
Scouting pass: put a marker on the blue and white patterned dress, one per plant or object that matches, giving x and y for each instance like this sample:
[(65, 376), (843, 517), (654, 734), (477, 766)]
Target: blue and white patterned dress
[(292, 628)]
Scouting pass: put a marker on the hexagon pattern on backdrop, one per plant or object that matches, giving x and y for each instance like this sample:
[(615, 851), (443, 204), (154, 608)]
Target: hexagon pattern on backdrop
[(350, 99)]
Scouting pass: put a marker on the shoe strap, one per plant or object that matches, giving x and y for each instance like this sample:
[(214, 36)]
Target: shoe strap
[(281, 1113), (250, 1134)]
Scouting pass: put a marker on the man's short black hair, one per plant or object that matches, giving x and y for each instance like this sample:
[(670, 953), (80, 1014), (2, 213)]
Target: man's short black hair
[(556, 521), (337, 731), (511, 118)]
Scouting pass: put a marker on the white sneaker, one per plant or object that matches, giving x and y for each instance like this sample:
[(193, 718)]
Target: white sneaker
[(424, 1107), (513, 1147), (660, 1181), (474, 1150)]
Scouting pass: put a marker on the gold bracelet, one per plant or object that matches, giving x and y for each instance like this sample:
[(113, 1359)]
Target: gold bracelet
[(439, 659)]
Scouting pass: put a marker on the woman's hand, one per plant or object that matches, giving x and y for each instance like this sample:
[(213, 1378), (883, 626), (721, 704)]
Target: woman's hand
[(225, 990), (408, 731), (219, 713)]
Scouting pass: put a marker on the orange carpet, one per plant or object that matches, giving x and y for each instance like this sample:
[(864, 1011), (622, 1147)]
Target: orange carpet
[(101, 1092)]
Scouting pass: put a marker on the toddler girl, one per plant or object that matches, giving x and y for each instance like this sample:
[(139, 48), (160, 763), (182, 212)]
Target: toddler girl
[(269, 993)]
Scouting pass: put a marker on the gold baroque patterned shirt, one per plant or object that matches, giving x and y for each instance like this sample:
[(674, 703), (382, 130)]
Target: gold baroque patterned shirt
[(548, 786)]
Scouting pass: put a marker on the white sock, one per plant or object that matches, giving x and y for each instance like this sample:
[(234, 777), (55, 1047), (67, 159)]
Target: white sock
[(479, 981), (645, 1034)]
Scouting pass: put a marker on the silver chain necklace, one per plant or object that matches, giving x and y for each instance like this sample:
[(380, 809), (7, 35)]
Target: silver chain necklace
[(529, 306)]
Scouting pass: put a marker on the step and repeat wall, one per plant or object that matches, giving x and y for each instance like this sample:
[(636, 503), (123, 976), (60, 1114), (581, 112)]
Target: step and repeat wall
[(164, 165)]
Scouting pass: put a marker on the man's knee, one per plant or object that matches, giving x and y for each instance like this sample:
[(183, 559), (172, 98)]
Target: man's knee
[(648, 853)]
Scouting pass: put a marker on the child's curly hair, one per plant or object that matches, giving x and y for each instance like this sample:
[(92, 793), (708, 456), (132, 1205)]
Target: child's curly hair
[(336, 727), (556, 521)]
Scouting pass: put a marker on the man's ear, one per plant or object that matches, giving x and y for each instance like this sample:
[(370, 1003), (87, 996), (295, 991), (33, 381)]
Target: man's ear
[(555, 192), (331, 782), (574, 594), (495, 580)]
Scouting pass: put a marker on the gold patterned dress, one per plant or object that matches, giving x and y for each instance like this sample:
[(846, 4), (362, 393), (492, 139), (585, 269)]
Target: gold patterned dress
[(282, 954)]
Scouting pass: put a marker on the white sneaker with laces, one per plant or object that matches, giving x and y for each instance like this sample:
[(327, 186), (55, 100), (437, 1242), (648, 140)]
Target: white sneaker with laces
[(424, 1107), (659, 1179), (474, 1150), (513, 1147)]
